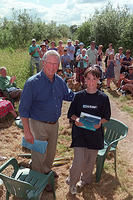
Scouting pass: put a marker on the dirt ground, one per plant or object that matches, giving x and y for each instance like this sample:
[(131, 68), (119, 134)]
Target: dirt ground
[(125, 145), (109, 188)]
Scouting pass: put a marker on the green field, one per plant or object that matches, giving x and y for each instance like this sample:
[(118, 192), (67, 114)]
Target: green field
[(17, 63)]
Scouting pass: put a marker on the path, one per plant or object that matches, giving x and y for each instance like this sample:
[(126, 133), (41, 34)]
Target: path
[(125, 145)]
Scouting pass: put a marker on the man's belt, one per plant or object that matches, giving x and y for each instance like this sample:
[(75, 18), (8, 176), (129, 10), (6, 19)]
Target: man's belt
[(49, 122)]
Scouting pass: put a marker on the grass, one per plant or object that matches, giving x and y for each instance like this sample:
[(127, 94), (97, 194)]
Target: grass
[(17, 63), (128, 109)]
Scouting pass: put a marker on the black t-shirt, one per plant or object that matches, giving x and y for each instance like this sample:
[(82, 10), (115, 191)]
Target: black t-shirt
[(96, 104)]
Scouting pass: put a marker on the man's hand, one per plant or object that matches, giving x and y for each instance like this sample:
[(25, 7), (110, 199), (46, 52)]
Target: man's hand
[(29, 137), (27, 132)]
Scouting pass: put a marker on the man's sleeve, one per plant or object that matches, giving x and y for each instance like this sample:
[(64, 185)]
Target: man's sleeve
[(73, 108), (26, 101), (68, 93)]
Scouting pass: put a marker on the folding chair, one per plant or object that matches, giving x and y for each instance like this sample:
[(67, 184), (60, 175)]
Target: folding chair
[(25, 183), (114, 131)]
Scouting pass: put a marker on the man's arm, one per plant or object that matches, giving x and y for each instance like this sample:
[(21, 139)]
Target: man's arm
[(68, 93), (24, 110), (31, 51), (27, 133)]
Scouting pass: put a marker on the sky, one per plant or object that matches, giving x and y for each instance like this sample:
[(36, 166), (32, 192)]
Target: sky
[(68, 12)]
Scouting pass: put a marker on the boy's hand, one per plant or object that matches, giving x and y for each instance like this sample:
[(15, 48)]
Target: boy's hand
[(78, 123), (97, 125)]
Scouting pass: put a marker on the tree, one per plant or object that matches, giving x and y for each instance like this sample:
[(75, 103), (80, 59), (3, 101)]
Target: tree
[(127, 34), (109, 24), (64, 31), (83, 33)]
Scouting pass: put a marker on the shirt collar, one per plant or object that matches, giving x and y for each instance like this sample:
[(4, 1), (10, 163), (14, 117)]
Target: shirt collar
[(44, 75)]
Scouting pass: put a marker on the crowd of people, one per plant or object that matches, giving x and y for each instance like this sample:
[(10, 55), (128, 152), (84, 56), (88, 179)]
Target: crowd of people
[(43, 94), (75, 59)]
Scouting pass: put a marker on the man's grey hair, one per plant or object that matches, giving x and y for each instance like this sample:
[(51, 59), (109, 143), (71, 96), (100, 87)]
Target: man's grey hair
[(51, 53), (1, 68)]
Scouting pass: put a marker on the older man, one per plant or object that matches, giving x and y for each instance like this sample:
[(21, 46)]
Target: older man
[(40, 109)]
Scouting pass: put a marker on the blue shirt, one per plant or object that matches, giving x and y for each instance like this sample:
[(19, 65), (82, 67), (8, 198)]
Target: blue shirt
[(42, 99), (69, 49), (65, 60)]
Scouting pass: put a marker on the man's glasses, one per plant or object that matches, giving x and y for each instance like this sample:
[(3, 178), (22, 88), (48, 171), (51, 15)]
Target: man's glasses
[(53, 64)]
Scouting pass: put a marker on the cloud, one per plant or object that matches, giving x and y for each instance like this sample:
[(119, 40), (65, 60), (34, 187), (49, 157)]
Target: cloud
[(63, 12), (90, 1)]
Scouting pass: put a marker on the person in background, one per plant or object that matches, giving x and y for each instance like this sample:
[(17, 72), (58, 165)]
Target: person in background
[(92, 54), (8, 85), (110, 75), (118, 58), (70, 50), (68, 73), (125, 63), (127, 81), (47, 43), (35, 57), (40, 109), (82, 60), (85, 142), (60, 48), (100, 55), (7, 107), (79, 51), (53, 46), (65, 59), (42, 52), (60, 73), (76, 45), (99, 62), (109, 51)]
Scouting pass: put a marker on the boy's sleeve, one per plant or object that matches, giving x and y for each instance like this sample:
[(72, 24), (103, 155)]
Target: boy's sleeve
[(106, 114)]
